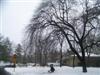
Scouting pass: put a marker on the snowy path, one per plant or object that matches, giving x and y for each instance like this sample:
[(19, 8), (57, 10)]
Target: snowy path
[(59, 71)]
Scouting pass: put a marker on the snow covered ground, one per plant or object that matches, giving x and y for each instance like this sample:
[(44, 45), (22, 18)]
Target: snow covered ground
[(59, 71)]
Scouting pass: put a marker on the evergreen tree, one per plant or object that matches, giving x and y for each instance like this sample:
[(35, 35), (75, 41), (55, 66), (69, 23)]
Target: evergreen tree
[(19, 53), (5, 49)]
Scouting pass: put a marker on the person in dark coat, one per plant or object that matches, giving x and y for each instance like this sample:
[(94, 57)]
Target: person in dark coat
[(52, 69)]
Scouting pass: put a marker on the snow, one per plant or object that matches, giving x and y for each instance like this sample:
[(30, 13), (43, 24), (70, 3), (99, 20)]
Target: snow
[(4, 63), (91, 54), (58, 71)]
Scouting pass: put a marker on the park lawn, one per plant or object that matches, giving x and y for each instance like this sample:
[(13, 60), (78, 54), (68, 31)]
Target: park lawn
[(58, 71)]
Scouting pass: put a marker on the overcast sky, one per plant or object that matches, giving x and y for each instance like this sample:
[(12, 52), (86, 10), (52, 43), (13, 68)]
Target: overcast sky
[(14, 16)]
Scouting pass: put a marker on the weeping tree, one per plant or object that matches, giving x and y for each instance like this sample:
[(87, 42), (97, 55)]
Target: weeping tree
[(40, 44), (73, 19)]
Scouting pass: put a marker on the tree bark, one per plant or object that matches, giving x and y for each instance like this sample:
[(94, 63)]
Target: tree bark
[(74, 61), (61, 59), (61, 56), (84, 66)]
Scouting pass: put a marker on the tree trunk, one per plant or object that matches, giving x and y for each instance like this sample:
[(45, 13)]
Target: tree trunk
[(45, 62), (35, 58), (61, 61), (83, 61), (61, 56), (74, 61), (84, 66)]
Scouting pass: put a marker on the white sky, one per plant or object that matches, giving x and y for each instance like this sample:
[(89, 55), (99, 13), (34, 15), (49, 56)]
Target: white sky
[(14, 16)]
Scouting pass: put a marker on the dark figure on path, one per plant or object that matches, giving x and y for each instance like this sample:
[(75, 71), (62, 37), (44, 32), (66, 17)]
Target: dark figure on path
[(51, 68)]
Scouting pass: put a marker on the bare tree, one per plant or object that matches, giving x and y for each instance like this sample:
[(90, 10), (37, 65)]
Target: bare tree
[(75, 24)]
